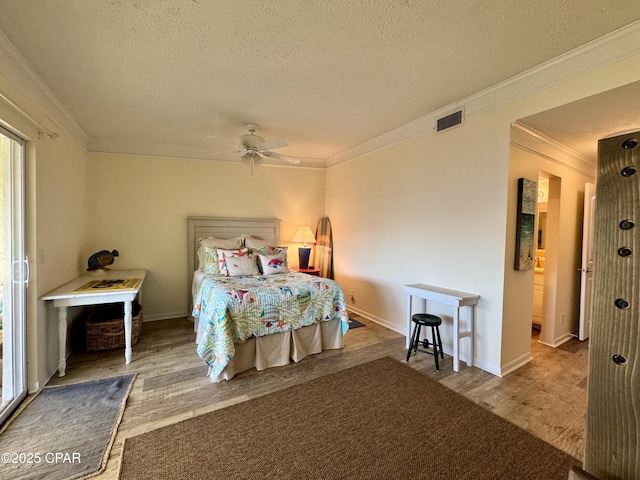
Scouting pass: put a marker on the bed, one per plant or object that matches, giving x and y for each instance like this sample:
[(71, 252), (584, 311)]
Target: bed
[(249, 309)]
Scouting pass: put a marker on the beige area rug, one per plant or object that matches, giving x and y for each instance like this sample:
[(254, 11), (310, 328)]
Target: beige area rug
[(65, 432), (380, 420)]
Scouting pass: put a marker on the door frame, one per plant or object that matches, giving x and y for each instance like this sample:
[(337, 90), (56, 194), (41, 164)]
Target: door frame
[(586, 270), (16, 274)]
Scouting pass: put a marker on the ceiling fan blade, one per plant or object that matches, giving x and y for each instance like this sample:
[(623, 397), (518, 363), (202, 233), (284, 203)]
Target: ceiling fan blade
[(225, 152), (271, 144), (279, 156)]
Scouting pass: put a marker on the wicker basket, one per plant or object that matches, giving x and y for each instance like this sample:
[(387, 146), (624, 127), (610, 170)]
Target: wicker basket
[(105, 327)]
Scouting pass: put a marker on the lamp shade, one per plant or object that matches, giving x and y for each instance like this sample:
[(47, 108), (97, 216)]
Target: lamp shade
[(304, 235)]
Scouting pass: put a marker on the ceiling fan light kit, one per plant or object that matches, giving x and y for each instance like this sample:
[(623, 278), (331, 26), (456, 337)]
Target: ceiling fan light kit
[(251, 159)]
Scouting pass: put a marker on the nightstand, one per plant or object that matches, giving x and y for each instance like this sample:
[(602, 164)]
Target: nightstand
[(310, 271)]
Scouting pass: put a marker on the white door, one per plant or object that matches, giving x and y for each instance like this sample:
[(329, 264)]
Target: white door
[(586, 271), (14, 273)]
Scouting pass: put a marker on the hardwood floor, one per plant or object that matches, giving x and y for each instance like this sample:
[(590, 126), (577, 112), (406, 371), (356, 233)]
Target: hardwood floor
[(546, 397)]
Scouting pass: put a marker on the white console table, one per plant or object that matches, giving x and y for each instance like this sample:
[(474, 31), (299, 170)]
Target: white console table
[(73, 294), (453, 298)]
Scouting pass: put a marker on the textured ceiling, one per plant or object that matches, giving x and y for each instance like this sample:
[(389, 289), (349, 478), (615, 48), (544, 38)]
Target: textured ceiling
[(146, 76), (579, 125)]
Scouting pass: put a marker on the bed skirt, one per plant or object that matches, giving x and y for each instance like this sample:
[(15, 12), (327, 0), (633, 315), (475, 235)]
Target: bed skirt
[(280, 348)]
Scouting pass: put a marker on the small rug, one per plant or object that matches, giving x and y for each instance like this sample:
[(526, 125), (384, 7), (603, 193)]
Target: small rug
[(378, 420), (65, 432), (355, 324)]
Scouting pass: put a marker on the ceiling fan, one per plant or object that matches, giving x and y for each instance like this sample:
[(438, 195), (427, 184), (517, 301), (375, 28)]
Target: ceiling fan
[(255, 149)]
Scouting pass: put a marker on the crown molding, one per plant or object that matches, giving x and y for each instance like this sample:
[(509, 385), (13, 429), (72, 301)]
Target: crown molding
[(531, 140), (605, 50), (19, 72)]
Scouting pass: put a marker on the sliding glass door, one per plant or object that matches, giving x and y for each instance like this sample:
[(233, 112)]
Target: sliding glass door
[(14, 273)]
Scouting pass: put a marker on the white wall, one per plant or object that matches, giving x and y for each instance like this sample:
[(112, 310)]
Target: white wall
[(437, 209), (139, 205)]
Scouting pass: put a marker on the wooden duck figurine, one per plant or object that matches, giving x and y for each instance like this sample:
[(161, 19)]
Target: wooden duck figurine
[(101, 259)]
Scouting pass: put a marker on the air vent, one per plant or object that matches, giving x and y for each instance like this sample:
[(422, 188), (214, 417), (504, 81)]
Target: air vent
[(452, 120)]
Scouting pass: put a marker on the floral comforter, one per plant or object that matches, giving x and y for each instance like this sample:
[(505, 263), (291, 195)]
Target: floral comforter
[(232, 309)]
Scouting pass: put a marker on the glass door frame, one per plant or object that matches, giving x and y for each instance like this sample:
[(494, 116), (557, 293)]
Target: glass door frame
[(16, 274)]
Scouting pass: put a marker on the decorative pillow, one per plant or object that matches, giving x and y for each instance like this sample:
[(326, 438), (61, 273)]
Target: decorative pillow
[(223, 255), (245, 265), (210, 265), (276, 263), (267, 250), (284, 250), (213, 242)]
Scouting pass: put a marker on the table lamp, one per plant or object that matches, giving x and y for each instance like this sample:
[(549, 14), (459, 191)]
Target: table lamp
[(304, 235)]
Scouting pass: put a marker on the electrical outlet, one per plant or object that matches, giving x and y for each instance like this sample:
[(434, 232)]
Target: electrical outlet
[(40, 256)]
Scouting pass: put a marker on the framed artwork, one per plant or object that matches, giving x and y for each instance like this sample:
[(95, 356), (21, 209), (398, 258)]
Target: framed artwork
[(525, 224)]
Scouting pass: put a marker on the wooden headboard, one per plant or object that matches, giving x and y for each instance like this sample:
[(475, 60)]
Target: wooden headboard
[(200, 227)]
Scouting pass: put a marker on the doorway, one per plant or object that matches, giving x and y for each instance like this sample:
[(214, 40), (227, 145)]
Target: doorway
[(540, 257), (546, 260), (14, 273)]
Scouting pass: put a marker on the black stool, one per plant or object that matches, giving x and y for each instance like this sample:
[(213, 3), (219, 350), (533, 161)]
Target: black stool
[(427, 320)]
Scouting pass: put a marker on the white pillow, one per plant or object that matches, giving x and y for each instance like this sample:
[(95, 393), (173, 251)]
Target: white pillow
[(213, 242), (276, 263), (224, 255), (246, 265), (252, 242)]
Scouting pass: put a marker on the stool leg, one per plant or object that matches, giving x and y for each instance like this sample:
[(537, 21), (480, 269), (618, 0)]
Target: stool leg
[(413, 341), (435, 347), (416, 339), (440, 342)]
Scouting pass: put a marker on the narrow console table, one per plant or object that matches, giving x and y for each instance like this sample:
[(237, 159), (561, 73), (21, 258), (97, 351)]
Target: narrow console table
[(453, 298), (89, 289)]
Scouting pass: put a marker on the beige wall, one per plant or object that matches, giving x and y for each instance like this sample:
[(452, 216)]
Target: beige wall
[(424, 211), (437, 209), (562, 280), (61, 229), (57, 219), (139, 205)]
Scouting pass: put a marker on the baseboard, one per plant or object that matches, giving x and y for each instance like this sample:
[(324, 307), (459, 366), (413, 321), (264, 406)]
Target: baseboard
[(164, 316), (559, 341), (42, 381), (373, 318), (487, 367), (515, 364), (563, 339)]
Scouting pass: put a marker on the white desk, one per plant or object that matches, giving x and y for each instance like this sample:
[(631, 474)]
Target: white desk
[(453, 298), (72, 295)]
